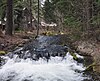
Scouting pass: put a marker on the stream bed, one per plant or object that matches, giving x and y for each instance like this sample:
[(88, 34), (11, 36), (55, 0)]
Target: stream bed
[(45, 59)]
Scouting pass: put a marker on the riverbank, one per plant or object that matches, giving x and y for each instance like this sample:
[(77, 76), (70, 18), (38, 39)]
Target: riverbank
[(89, 48), (83, 47), (8, 43)]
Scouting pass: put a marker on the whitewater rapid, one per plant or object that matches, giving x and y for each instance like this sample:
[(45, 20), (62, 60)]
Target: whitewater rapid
[(57, 69)]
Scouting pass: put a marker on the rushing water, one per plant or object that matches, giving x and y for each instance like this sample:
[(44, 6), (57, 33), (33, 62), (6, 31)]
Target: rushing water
[(57, 69), (43, 60)]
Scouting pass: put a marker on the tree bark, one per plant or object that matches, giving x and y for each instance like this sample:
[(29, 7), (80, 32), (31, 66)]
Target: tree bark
[(38, 19), (30, 13), (87, 15), (9, 22)]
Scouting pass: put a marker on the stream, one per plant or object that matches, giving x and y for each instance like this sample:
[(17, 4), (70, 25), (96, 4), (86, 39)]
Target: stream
[(45, 59)]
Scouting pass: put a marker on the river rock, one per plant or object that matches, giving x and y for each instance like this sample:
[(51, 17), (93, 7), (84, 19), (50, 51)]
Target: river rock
[(43, 46)]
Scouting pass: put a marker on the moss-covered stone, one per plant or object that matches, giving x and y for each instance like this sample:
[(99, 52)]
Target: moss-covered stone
[(74, 56), (2, 52)]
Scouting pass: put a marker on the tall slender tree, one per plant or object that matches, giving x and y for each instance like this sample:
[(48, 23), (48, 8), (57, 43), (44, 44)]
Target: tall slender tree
[(38, 18), (30, 13), (9, 22)]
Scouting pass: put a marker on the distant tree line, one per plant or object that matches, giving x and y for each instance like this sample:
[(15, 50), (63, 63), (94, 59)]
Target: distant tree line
[(78, 15), (82, 16)]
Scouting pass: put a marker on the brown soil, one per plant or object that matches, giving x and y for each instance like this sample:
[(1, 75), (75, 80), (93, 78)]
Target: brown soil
[(7, 43)]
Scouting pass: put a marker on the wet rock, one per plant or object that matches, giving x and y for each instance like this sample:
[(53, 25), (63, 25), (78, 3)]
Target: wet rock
[(2, 46), (2, 61), (44, 46), (80, 60), (94, 76)]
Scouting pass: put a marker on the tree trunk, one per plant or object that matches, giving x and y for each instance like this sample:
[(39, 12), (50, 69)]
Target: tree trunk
[(9, 22), (87, 15), (30, 13), (38, 18)]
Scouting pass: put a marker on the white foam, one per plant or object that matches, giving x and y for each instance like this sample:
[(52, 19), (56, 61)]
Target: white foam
[(57, 69)]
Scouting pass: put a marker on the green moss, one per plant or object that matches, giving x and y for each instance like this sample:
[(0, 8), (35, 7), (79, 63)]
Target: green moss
[(90, 67), (2, 52), (48, 33), (74, 56)]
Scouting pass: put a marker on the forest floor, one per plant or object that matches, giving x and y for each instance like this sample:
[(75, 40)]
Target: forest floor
[(8, 43)]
